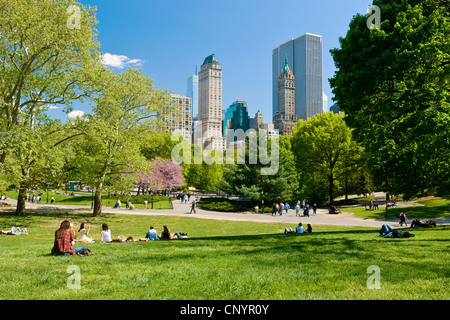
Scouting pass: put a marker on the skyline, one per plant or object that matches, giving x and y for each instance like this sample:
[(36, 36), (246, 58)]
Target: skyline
[(167, 40)]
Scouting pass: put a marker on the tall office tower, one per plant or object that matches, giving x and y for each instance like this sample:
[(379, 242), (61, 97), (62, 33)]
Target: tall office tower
[(192, 92), (305, 57), (236, 117), (210, 103), (285, 119), (182, 120), (258, 120)]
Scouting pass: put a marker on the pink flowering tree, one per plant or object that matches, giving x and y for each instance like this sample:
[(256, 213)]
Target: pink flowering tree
[(164, 174)]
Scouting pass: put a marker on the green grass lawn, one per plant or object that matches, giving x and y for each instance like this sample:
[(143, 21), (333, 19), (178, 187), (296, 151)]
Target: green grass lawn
[(222, 260), (85, 199), (433, 208)]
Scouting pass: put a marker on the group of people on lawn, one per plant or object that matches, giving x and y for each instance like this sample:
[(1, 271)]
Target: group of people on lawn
[(65, 237)]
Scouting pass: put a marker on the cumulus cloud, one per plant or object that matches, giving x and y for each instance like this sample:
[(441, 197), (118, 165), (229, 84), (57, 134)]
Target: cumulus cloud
[(52, 107), (75, 114), (119, 61)]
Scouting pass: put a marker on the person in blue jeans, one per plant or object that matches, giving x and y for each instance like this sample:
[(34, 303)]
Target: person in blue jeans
[(385, 229)]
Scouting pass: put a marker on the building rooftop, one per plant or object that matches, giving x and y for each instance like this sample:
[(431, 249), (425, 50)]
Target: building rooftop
[(210, 59)]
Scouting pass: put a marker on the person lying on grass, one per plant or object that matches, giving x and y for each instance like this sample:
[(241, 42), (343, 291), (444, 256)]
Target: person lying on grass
[(387, 232), (15, 231)]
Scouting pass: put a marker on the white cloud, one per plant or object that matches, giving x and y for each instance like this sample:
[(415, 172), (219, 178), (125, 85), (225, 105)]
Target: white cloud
[(75, 114), (52, 107), (119, 61)]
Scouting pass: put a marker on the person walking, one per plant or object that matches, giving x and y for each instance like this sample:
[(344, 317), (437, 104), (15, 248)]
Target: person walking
[(193, 207), (403, 218)]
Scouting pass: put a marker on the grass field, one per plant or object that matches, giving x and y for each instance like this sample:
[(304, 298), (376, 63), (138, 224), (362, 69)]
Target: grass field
[(222, 260), (85, 199), (432, 208)]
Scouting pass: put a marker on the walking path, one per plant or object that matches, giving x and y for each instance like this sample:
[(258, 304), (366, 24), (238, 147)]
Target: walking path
[(182, 209)]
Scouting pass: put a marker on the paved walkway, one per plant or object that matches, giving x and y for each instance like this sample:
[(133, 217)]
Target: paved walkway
[(321, 218)]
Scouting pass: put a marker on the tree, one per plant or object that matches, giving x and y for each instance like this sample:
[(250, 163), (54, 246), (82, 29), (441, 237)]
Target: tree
[(43, 62), (163, 174), (392, 83), (124, 113), (323, 148), (245, 179)]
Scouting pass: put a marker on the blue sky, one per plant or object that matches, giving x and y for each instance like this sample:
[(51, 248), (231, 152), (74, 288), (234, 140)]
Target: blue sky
[(167, 39)]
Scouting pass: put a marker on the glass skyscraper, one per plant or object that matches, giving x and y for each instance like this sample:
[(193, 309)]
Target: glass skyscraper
[(192, 92), (305, 59)]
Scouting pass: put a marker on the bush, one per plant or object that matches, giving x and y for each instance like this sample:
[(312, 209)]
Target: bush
[(226, 205)]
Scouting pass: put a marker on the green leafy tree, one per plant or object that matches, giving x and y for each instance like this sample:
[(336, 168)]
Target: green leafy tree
[(246, 179), (323, 148), (43, 62), (124, 113), (392, 83)]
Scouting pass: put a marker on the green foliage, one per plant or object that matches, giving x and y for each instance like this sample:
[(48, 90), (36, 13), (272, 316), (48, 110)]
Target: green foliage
[(247, 180), (324, 153), (393, 85)]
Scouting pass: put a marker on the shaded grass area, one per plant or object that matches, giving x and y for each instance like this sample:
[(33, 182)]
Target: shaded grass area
[(222, 260), (430, 209), (85, 199)]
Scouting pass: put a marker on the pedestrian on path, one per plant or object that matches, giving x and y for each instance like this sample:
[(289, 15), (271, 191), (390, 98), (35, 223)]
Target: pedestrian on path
[(193, 207)]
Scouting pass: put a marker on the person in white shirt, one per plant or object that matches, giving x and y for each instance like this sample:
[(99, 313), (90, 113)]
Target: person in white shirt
[(105, 233)]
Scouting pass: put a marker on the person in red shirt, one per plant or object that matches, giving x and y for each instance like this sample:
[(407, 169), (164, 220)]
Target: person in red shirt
[(64, 240)]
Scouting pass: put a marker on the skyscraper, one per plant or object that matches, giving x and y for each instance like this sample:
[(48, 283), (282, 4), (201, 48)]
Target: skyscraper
[(305, 58), (285, 118), (210, 103), (192, 92), (258, 121), (182, 120), (236, 117)]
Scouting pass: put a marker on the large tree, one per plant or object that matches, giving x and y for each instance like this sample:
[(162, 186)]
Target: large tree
[(392, 83), (123, 113), (43, 62), (324, 151)]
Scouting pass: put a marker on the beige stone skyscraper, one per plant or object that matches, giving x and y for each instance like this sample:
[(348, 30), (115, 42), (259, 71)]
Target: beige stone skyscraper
[(210, 103), (285, 119), (179, 120), (258, 121)]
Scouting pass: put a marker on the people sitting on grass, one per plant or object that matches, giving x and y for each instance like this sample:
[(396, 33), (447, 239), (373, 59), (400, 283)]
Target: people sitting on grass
[(14, 231), (65, 240), (299, 229), (83, 234), (165, 234), (105, 234), (152, 234)]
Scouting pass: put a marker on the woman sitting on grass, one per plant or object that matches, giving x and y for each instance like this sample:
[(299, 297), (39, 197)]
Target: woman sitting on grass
[(64, 240), (165, 234), (83, 234), (105, 234)]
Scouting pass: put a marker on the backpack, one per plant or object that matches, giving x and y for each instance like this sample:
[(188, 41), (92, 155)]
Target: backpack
[(85, 252)]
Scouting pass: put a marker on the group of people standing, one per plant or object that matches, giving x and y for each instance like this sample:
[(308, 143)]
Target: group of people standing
[(278, 207)]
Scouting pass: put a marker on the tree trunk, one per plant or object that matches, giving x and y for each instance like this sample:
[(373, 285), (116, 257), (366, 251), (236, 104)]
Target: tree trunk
[(21, 201), (331, 180), (98, 200), (387, 200)]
